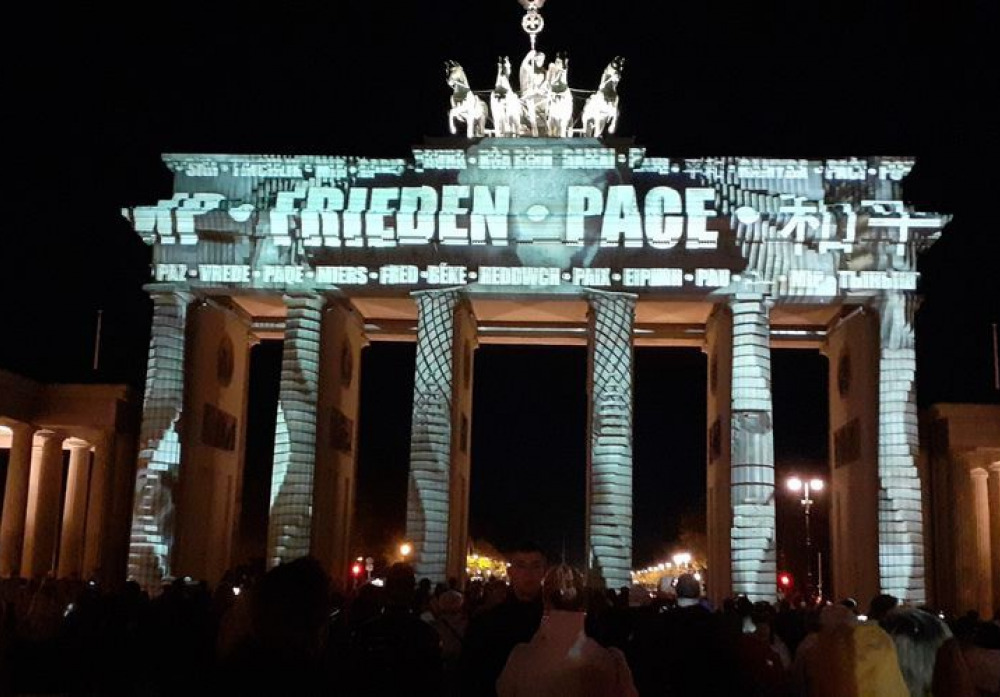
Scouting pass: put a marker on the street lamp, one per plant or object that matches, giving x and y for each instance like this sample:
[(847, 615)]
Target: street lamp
[(405, 550), (807, 487)]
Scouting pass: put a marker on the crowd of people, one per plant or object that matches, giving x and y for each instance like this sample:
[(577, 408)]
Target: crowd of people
[(548, 632)]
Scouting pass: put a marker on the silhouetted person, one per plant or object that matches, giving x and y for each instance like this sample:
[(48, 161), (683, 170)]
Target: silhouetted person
[(880, 606), (763, 669), (492, 635), (449, 621), (286, 653), (684, 651), (980, 646), (395, 652)]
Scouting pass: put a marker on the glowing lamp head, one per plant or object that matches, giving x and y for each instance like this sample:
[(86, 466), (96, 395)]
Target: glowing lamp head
[(405, 549), (785, 580), (816, 484), (682, 558), (356, 570), (794, 484)]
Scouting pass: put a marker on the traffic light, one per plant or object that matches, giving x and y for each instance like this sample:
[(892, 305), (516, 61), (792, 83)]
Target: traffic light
[(356, 570), (785, 581)]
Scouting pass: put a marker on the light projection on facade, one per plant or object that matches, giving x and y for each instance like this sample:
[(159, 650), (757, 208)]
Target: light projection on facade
[(499, 238), (543, 218)]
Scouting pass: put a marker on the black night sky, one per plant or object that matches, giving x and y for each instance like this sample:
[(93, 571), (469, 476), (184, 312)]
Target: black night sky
[(105, 92)]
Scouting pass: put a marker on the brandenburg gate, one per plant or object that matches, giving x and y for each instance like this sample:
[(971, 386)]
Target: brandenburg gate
[(527, 240), (544, 229)]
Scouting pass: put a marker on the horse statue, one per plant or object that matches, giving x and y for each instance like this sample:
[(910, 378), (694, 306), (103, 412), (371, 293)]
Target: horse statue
[(505, 107), (560, 107), (601, 109), (466, 105)]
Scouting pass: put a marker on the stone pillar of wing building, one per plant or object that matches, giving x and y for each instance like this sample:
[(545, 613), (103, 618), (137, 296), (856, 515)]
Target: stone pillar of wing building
[(213, 438), (342, 341), (851, 349)]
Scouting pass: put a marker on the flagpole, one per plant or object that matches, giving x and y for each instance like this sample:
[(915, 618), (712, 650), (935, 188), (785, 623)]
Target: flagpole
[(97, 339), (996, 360)]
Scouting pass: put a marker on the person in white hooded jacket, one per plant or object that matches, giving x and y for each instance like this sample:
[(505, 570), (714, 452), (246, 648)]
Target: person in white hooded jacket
[(561, 660)]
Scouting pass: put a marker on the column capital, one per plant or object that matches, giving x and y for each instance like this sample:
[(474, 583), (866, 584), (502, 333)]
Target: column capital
[(593, 294), (449, 295), (18, 427), (430, 302), (313, 300), (47, 434), (979, 473), (896, 315), (169, 294), (75, 443), (750, 295)]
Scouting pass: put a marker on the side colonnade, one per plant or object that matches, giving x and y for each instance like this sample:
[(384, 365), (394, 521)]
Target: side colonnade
[(68, 481)]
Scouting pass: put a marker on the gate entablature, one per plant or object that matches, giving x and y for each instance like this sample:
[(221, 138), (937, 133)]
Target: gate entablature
[(544, 214)]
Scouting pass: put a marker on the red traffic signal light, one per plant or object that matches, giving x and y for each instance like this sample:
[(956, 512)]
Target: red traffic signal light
[(785, 580), (356, 570)]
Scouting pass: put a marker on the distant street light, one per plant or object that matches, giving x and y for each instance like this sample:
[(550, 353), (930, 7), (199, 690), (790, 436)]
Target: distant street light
[(405, 550), (807, 487), (682, 559)]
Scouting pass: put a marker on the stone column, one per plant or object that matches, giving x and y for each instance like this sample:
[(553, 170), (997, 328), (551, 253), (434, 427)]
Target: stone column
[(851, 349), (900, 514), (74, 510), (994, 504), (464, 352), (15, 504), (343, 340), (611, 317), (42, 520), (982, 579), (158, 468), (719, 348), (290, 524), (435, 437), (211, 444), (752, 535), (98, 498)]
